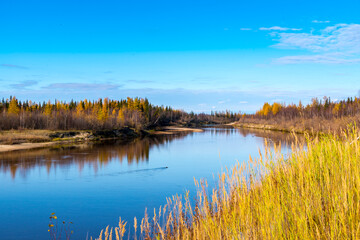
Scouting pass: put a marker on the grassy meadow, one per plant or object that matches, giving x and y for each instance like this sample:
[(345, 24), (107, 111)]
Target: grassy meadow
[(314, 193)]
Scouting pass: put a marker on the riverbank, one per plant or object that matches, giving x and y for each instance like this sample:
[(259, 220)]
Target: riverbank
[(174, 130), (312, 194), (299, 125), (266, 127), (16, 140)]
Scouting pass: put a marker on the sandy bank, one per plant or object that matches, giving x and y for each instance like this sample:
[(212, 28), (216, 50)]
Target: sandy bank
[(25, 146), (174, 130)]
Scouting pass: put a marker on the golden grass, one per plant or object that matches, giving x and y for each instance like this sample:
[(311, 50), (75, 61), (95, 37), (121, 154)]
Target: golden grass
[(300, 125), (312, 194), (9, 137), (21, 136)]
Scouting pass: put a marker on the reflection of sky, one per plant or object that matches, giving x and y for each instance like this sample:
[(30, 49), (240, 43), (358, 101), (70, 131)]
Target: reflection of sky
[(93, 199), (196, 56)]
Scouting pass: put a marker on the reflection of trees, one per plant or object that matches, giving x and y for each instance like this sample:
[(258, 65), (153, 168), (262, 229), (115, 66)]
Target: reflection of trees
[(277, 137), (101, 154), (94, 155), (272, 137), (222, 131)]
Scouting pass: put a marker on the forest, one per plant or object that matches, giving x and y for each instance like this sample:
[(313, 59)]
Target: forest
[(104, 113), (319, 115)]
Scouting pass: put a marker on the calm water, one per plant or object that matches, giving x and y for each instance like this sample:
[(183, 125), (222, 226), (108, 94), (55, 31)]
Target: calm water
[(92, 185)]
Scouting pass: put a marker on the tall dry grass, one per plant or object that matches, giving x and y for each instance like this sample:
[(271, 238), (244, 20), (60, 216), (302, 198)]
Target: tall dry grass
[(301, 125), (311, 194)]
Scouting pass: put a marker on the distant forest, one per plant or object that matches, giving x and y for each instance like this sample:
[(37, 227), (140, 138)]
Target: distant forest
[(101, 114), (319, 115)]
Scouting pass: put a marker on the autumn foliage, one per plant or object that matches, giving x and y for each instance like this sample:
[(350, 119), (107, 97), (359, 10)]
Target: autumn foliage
[(319, 115), (324, 108), (100, 114)]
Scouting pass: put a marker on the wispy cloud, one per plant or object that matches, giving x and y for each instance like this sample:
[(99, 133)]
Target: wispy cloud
[(318, 21), (320, 58), (245, 29), (336, 44), (333, 38), (24, 84), (83, 86), (224, 101), (277, 28), (12, 66), (139, 81)]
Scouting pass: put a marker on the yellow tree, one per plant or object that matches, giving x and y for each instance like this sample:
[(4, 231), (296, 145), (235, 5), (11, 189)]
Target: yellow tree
[(336, 109), (266, 109), (275, 108), (48, 109), (87, 105), (104, 111), (121, 117), (130, 103), (13, 106), (79, 109), (137, 103)]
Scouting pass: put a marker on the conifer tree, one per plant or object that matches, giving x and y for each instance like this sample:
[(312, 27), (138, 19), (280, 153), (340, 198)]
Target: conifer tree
[(48, 109), (13, 106)]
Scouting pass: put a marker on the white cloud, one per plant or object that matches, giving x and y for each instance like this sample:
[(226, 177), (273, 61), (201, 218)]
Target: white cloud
[(277, 28), (324, 58), (317, 21), (245, 29), (338, 37), (223, 101), (334, 44), (83, 86), (24, 84)]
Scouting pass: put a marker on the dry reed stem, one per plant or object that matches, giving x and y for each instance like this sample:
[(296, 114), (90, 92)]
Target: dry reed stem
[(312, 194)]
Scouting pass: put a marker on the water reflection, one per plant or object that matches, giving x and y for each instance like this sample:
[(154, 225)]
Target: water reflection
[(101, 154), (272, 137), (93, 184), (87, 154)]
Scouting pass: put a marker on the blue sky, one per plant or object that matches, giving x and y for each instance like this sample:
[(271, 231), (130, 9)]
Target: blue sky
[(192, 55)]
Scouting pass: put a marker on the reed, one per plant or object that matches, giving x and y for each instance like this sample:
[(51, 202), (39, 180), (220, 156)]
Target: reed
[(313, 193)]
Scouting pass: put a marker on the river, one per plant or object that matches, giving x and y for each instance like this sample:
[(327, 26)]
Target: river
[(92, 185)]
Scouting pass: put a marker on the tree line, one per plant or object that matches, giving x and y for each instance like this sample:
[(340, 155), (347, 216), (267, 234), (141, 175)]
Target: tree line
[(318, 108), (84, 114), (104, 113)]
